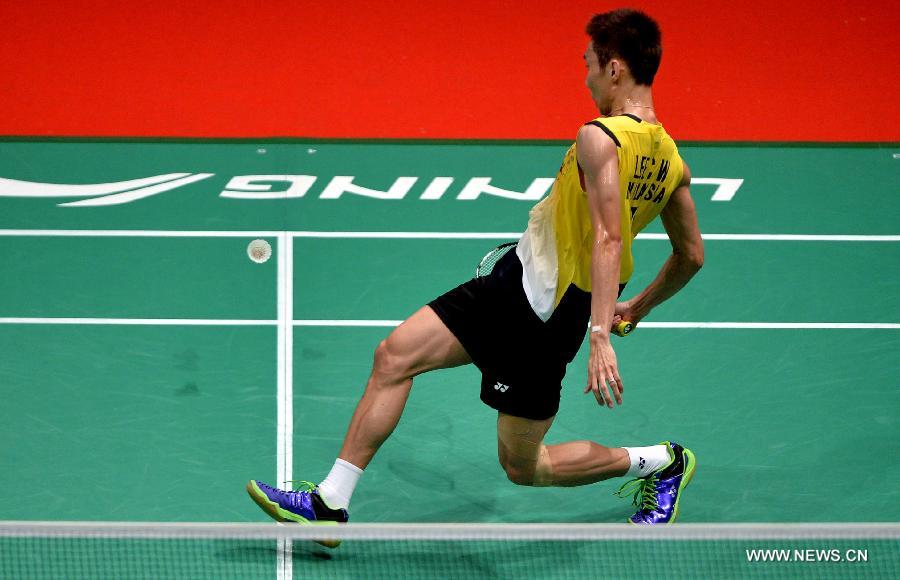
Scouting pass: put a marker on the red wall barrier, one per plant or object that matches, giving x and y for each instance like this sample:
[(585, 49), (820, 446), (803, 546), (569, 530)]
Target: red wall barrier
[(767, 70)]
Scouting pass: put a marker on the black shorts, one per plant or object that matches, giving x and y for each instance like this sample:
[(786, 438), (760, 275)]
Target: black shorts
[(522, 359)]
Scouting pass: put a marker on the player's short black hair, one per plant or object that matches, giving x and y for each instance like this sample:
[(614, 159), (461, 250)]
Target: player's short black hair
[(630, 35)]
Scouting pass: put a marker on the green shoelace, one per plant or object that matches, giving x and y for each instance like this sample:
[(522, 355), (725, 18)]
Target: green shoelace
[(302, 485), (643, 488)]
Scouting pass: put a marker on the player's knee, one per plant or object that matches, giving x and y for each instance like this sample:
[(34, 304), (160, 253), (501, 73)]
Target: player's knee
[(389, 363), (518, 473), (533, 473)]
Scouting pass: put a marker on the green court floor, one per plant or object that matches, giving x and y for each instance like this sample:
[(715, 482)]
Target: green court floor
[(108, 415)]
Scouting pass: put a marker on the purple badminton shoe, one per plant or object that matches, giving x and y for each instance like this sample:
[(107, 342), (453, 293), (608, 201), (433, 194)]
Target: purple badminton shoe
[(304, 506), (657, 496)]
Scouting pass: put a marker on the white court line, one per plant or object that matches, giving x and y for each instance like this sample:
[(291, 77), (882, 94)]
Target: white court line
[(715, 325), (288, 337), (347, 322), (660, 236), (777, 325), (141, 233), (430, 235), (284, 564), (785, 237), (141, 321), (412, 235)]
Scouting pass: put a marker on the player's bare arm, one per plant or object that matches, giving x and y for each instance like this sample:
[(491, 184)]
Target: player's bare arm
[(679, 218), (598, 159)]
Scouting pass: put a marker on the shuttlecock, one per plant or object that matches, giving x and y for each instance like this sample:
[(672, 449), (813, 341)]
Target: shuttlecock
[(259, 251)]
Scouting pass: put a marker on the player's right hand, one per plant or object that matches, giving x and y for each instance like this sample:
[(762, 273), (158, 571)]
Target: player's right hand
[(603, 371)]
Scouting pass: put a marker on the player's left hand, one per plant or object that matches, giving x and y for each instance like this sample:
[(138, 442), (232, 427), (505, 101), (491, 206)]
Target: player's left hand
[(626, 311), (603, 370)]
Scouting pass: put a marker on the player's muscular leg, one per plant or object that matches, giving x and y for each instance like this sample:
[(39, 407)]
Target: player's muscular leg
[(422, 343), (521, 450), (527, 461)]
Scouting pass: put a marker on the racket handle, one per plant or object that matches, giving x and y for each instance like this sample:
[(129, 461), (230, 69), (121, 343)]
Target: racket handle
[(623, 328)]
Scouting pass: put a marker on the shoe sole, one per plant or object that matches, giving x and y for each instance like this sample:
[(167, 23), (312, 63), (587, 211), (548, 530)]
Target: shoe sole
[(279, 514), (689, 470)]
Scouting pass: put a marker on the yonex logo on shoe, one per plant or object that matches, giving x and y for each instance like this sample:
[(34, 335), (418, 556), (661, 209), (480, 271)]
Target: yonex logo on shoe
[(641, 463), (501, 387)]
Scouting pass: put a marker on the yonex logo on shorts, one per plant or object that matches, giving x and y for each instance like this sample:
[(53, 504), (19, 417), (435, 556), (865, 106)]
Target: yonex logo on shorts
[(501, 387)]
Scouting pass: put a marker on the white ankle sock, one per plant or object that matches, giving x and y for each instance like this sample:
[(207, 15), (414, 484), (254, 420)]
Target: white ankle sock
[(646, 460), (338, 486)]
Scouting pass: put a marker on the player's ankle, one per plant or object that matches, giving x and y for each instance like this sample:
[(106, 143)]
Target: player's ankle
[(646, 460), (337, 489)]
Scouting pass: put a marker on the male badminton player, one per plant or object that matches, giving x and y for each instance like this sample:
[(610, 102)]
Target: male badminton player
[(523, 323)]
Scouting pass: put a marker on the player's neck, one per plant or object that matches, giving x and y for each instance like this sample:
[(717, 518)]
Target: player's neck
[(637, 101)]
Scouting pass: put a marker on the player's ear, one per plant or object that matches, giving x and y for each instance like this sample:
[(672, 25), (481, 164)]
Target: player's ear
[(614, 68)]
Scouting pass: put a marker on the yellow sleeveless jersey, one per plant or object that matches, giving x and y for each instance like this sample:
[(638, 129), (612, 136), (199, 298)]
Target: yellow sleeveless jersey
[(555, 249)]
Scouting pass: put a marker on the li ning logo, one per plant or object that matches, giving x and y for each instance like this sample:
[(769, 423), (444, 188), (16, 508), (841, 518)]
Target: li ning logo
[(260, 187), (501, 387), (267, 187)]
